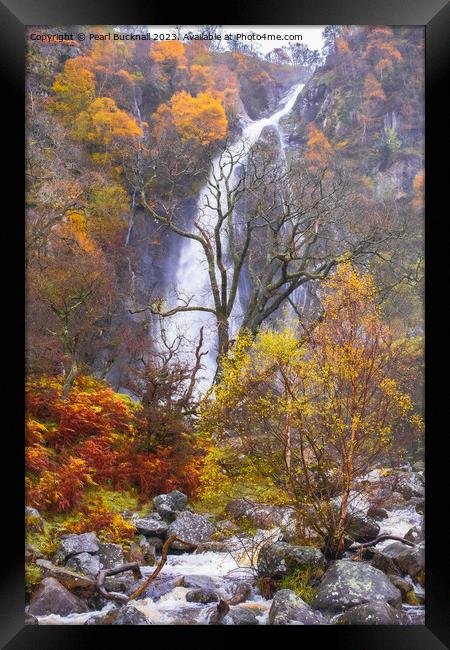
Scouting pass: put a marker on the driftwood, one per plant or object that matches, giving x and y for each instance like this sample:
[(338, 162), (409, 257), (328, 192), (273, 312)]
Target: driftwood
[(380, 538), (161, 563), (134, 566), (113, 595), (219, 613)]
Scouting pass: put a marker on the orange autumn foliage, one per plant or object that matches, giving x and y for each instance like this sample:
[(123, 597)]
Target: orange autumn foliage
[(319, 151), (199, 119), (74, 89), (169, 53)]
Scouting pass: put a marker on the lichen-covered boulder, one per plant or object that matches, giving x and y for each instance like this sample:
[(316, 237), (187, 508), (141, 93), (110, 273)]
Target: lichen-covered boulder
[(110, 555), (278, 559), (373, 613), (73, 544), (151, 527), (243, 616), (347, 584), (289, 609), (53, 598), (85, 563), (167, 505), (191, 528)]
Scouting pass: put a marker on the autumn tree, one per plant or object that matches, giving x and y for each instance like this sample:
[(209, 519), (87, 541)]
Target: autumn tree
[(319, 152), (312, 412), (74, 89)]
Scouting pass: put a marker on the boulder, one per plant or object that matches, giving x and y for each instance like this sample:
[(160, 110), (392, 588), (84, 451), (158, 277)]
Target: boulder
[(32, 554), (203, 596), (191, 528), (167, 505), (104, 618), (237, 508), (110, 555), (52, 597), (243, 616), (361, 527), (151, 527), (412, 560), (347, 584), (288, 609), (384, 563), (33, 520), (415, 534), (31, 620), (69, 579), (277, 559), (402, 584), (156, 542), (148, 550), (201, 582), (372, 613), (85, 563), (129, 615), (136, 554), (263, 516), (73, 544), (375, 512)]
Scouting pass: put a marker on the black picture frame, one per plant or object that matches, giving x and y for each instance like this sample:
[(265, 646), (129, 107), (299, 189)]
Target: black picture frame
[(15, 15)]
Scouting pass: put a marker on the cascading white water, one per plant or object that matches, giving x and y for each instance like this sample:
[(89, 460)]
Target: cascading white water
[(191, 278)]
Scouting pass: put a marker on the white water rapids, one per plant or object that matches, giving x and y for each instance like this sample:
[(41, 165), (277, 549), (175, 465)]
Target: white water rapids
[(191, 277)]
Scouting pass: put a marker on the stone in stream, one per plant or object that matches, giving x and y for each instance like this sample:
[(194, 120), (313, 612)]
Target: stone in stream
[(361, 528), (73, 544), (84, 563), (384, 563), (191, 528), (151, 527), (402, 584), (31, 620), (415, 534), (372, 613), (287, 608), (201, 582), (129, 615), (203, 596), (104, 618), (243, 616), (277, 559), (347, 584), (52, 597), (411, 560), (375, 512), (71, 580)]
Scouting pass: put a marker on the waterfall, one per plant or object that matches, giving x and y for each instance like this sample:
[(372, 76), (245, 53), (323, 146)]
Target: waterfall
[(191, 277)]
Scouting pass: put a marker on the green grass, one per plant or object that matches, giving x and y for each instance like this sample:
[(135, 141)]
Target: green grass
[(299, 582)]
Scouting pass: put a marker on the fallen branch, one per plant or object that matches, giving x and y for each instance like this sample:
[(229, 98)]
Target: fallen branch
[(219, 613), (113, 595), (164, 552), (380, 538)]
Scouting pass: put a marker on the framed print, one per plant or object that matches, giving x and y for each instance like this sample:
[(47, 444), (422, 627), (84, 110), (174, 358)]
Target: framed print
[(228, 410)]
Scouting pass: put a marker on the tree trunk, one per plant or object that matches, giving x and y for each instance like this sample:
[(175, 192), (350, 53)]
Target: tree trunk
[(68, 383)]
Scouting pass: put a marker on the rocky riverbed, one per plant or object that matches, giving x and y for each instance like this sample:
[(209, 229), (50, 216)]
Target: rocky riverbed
[(236, 578)]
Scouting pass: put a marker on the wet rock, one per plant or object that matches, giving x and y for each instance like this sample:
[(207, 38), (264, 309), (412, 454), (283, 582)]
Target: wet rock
[(156, 542), (151, 527), (260, 515), (167, 505), (373, 613), (201, 582), (411, 561), (375, 512), (287, 609), (347, 584), (227, 527), (104, 618), (148, 550), (191, 528), (277, 559), (203, 596), (31, 620), (418, 466), (394, 548), (110, 555), (161, 586), (415, 616), (33, 520), (129, 615), (403, 585), (415, 534), (238, 588), (85, 563), (237, 508), (73, 544), (384, 563), (71, 580), (52, 597), (361, 527), (243, 616), (216, 547)]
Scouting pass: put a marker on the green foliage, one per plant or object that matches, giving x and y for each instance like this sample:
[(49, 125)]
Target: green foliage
[(33, 576), (300, 582), (392, 140)]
